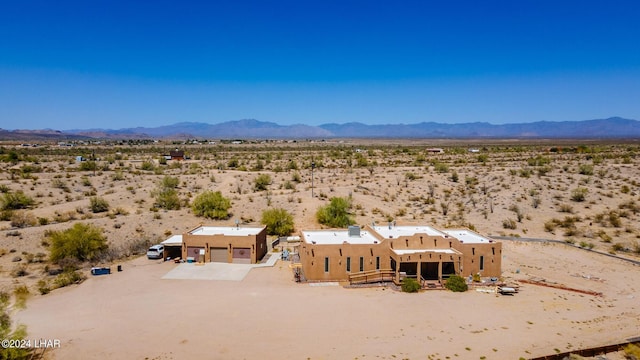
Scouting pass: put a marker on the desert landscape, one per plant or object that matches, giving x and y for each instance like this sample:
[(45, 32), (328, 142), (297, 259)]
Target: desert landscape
[(584, 194)]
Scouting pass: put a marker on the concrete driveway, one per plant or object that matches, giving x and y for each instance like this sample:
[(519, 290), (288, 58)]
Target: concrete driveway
[(216, 271)]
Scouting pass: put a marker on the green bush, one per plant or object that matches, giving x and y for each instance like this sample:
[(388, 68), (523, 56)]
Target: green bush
[(278, 221), (456, 283), (262, 182), (579, 194), (410, 285), (5, 331), (88, 166), (166, 195), (147, 166), (211, 205), (170, 182), (632, 351), (15, 201), (68, 277), (167, 199), (82, 242), (98, 204), (336, 213)]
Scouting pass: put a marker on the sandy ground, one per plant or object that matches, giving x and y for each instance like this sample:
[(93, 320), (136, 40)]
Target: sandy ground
[(135, 314)]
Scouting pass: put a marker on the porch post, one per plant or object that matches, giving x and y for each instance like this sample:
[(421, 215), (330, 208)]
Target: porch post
[(440, 270)]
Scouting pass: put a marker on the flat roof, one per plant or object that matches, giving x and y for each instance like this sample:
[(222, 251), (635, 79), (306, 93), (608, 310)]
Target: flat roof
[(468, 237), (226, 230), (173, 241), (327, 237), (417, 251), (395, 232)]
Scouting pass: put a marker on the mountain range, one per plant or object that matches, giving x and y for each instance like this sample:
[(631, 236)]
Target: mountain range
[(614, 127)]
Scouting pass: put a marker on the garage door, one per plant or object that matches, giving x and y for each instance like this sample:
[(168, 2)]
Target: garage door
[(242, 255), (219, 254), (194, 252)]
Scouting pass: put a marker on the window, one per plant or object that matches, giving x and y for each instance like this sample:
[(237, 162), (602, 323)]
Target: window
[(348, 264), (481, 263), (361, 263), (326, 264), (377, 262)]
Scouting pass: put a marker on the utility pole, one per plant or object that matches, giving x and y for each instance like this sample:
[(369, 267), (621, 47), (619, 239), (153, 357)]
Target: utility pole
[(313, 166)]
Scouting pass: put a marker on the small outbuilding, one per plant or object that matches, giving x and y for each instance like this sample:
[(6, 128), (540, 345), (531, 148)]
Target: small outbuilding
[(232, 244)]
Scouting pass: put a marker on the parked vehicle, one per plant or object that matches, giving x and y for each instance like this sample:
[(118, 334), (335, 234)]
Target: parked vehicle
[(156, 252)]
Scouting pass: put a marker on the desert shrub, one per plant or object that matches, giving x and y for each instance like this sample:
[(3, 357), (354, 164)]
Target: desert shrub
[(21, 293), (167, 198), (516, 209), (60, 184), (585, 169), (604, 236), (211, 205), (68, 277), (296, 177), (566, 208), (6, 331), (88, 166), (586, 245), (632, 352), (617, 247), (411, 176), (509, 224), (336, 213), (456, 283), (579, 194), (43, 287), (15, 201), (410, 285), (82, 242), (118, 176), (262, 182), (441, 167), (278, 222), (535, 202), (147, 166), (98, 204), (289, 185), (22, 219), (170, 182)]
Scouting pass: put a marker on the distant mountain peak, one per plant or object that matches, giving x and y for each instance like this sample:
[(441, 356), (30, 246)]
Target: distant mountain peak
[(612, 127)]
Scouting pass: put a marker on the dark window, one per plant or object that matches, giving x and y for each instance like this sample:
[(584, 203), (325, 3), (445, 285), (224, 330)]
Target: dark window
[(348, 264), (361, 263), (377, 262), (326, 264), (481, 263)]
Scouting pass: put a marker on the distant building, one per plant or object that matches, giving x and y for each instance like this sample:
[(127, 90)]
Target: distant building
[(176, 155), (420, 252), (435, 150)]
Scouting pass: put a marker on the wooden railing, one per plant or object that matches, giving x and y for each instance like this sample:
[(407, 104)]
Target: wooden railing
[(371, 276)]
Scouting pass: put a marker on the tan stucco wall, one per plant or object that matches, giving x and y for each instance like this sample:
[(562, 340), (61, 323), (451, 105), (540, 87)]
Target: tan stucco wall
[(466, 256), (257, 243)]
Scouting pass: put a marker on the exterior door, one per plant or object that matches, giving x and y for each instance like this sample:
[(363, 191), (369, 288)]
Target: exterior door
[(242, 255), (219, 255)]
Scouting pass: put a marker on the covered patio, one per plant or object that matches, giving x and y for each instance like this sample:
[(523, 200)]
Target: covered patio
[(425, 264)]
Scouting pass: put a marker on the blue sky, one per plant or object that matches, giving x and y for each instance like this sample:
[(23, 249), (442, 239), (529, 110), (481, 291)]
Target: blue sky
[(117, 64)]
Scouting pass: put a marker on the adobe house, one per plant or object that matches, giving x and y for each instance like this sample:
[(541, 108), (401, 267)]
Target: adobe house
[(395, 252), (232, 244)]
